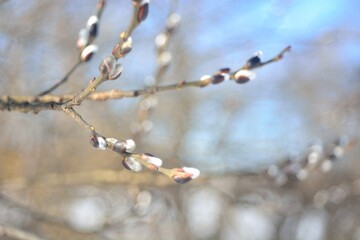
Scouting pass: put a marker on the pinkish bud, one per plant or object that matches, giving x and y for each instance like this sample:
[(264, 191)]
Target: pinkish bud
[(143, 11), (101, 4), (185, 174), (157, 162)]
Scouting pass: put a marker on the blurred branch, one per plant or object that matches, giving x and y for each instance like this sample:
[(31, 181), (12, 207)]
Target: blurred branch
[(15, 233), (45, 218)]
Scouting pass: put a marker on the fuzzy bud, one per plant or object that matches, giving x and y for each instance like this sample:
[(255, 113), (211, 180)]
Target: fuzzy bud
[(88, 52), (98, 142), (220, 77), (131, 164), (126, 46), (130, 145), (92, 26), (173, 22), (161, 40), (117, 71), (255, 61), (206, 80), (116, 145), (156, 162), (107, 65), (243, 76), (164, 59), (83, 38), (185, 174), (121, 49)]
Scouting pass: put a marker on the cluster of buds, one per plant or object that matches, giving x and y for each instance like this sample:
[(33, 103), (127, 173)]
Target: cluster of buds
[(162, 40), (118, 146), (314, 159), (88, 34), (110, 68), (223, 74), (135, 162), (244, 74), (336, 194)]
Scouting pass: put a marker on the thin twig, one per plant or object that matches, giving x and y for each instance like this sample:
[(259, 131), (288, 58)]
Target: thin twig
[(62, 81)]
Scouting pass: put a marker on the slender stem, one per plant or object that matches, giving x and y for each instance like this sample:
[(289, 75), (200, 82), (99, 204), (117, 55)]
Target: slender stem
[(78, 118), (94, 83), (62, 81)]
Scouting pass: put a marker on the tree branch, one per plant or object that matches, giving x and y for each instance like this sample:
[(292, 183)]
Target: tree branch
[(15, 233)]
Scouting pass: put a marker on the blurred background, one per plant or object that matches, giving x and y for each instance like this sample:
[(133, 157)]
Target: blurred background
[(278, 155)]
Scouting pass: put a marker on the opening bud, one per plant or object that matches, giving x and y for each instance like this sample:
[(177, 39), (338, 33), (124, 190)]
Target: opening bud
[(243, 76), (157, 162), (98, 142), (185, 174), (130, 145), (131, 164), (117, 71), (92, 26), (107, 65), (88, 52), (126, 46)]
